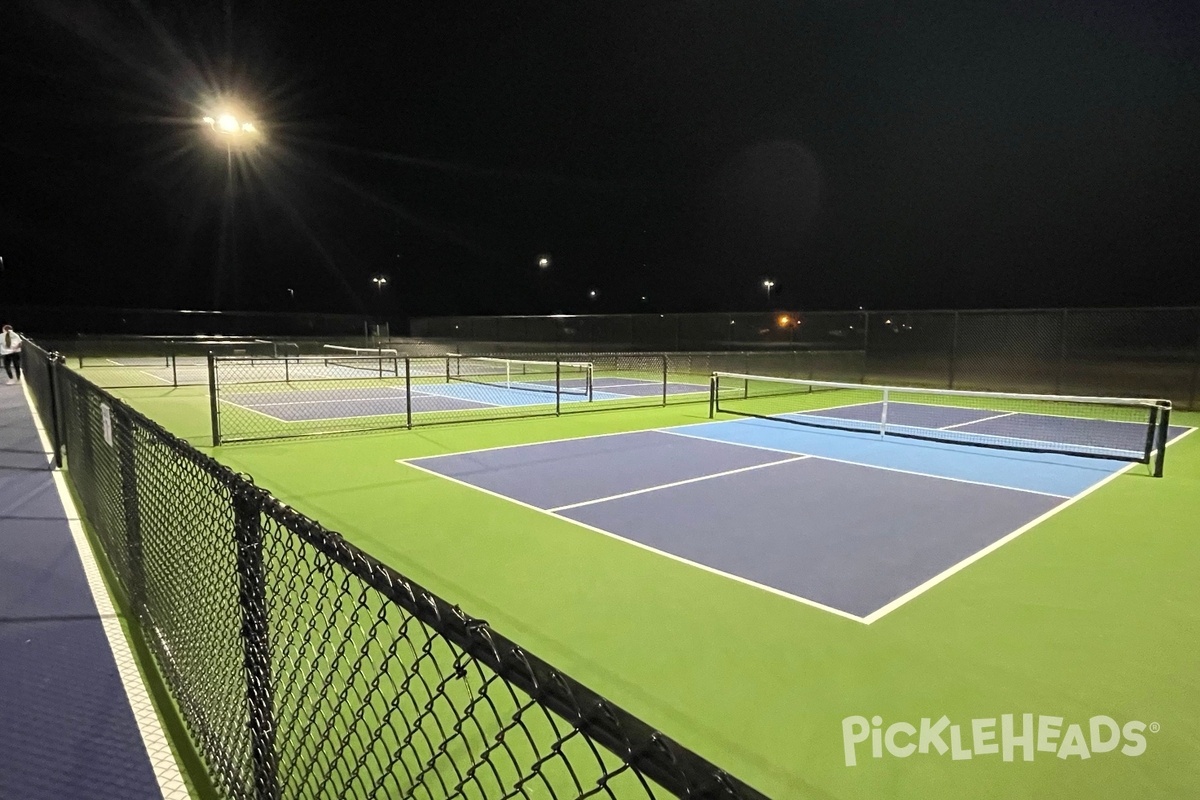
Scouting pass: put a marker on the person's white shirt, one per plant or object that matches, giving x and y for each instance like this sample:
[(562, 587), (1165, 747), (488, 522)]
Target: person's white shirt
[(10, 342)]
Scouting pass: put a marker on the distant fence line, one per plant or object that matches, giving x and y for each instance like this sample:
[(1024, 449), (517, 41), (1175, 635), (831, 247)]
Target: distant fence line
[(1128, 352), (58, 322)]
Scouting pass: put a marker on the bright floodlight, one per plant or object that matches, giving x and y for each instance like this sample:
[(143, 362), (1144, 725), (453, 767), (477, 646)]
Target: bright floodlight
[(233, 130), (784, 320), (543, 262)]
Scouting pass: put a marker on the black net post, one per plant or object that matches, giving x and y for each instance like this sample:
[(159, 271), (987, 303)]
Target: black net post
[(408, 392), (712, 397), (213, 404), (252, 600), (174, 370), (1162, 433), (557, 387), (664, 376)]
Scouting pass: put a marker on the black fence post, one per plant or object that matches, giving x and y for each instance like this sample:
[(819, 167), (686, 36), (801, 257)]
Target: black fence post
[(213, 404), (53, 360), (1192, 394), (252, 599), (1062, 352), (953, 349), (125, 443)]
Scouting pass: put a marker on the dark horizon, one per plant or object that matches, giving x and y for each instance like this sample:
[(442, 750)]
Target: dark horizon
[(856, 153)]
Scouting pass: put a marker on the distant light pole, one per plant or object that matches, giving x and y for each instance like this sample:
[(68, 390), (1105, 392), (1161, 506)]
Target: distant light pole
[(380, 281), (235, 134), (769, 284)]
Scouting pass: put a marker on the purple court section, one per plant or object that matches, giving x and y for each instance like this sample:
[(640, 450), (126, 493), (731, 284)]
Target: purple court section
[(569, 471), (849, 537), (66, 726)]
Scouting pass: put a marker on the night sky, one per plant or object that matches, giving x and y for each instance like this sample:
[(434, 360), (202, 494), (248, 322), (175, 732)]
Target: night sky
[(882, 154)]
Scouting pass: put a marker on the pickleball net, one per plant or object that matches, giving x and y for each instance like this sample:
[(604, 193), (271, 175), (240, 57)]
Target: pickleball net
[(1123, 429), (561, 377), (379, 361)]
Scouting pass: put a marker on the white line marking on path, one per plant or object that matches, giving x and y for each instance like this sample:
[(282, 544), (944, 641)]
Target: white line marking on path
[(678, 483), (158, 748)]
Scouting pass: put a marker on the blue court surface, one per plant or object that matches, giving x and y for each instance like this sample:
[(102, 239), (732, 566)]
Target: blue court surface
[(339, 402), (851, 522)]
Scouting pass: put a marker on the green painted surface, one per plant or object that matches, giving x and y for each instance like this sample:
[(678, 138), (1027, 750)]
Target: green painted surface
[(1093, 612)]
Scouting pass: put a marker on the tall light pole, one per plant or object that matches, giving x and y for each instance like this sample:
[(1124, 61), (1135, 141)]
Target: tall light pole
[(769, 284), (234, 133), (380, 281)]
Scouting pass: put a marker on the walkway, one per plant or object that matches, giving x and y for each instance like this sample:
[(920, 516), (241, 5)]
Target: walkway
[(68, 727)]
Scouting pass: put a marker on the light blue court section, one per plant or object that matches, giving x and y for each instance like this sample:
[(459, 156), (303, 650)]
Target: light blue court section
[(502, 396), (1054, 474)]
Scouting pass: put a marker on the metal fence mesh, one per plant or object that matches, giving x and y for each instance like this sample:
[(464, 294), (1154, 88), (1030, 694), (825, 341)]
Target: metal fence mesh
[(1141, 352), (303, 668)]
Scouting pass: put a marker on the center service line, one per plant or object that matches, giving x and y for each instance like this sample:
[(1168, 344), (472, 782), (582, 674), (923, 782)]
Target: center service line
[(677, 483)]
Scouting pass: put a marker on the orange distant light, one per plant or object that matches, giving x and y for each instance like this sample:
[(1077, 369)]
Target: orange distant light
[(784, 321)]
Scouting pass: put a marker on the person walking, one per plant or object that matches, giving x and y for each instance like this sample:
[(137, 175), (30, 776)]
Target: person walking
[(10, 349)]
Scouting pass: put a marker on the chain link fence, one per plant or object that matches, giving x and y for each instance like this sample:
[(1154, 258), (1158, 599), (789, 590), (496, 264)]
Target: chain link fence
[(302, 667), (1138, 352)]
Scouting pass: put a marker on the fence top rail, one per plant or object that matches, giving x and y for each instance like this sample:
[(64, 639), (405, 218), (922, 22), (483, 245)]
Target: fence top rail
[(770, 312)]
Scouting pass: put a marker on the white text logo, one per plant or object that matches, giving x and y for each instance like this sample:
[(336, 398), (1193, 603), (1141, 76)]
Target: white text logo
[(1010, 736)]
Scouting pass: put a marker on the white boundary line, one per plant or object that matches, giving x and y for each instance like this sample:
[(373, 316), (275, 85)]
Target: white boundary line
[(665, 554), (158, 747), (678, 483), (996, 545), (138, 369), (527, 444), (867, 620), (973, 421), (876, 466)]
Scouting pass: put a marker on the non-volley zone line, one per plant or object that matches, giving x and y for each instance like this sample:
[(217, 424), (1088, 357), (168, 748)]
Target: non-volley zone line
[(847, 537)]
